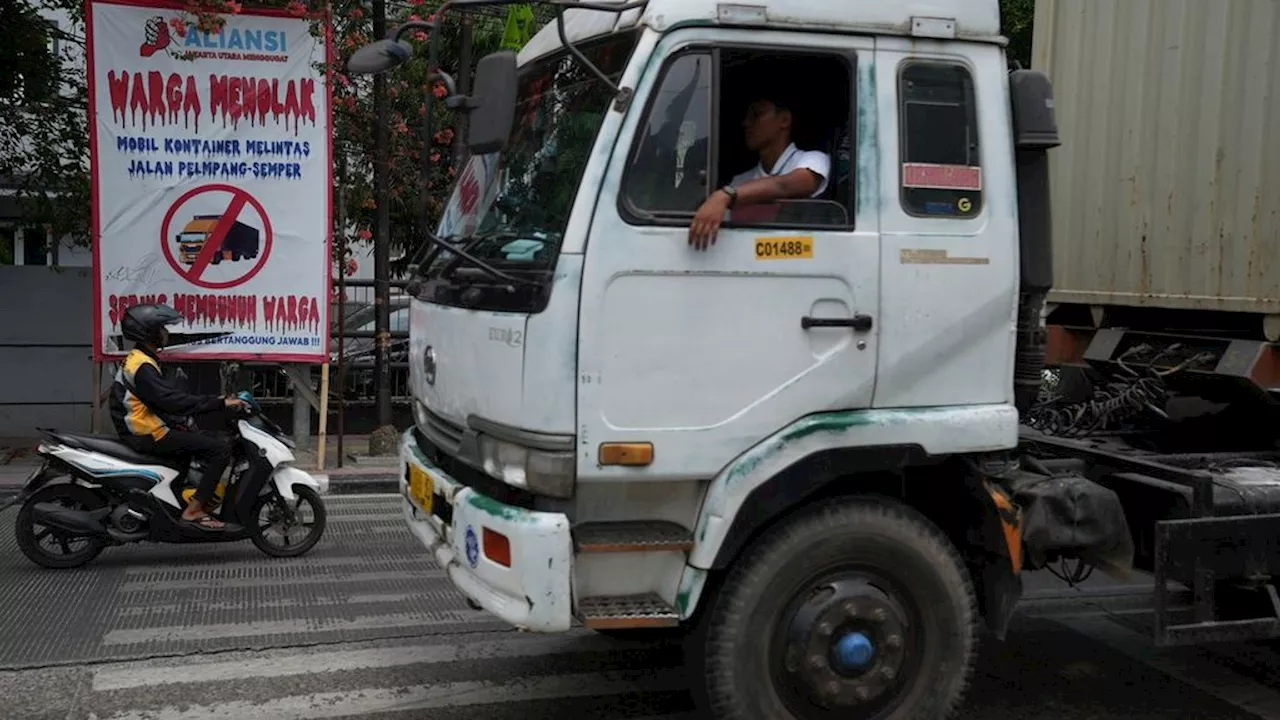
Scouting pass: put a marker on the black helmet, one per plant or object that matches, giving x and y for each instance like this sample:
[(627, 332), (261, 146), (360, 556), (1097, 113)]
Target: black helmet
[(143, 323)]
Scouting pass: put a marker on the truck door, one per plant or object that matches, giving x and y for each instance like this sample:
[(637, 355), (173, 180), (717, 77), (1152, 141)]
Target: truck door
[(948, 225), (704, 354)]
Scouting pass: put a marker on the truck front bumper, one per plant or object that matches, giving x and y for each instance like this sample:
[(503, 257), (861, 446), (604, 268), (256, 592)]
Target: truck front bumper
[(525, 580)]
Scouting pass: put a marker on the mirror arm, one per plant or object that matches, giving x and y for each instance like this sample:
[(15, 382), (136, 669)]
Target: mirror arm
[(622, 95), (440, 76), (428, 121), (614, 7), (397, 32), (454, 101)]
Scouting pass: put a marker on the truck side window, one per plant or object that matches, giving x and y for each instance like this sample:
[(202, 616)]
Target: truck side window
[(816, 89), (941, 166), (668, 174)]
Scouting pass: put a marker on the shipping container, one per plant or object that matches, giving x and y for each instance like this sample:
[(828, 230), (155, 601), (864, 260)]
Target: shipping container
[(1166, 189)]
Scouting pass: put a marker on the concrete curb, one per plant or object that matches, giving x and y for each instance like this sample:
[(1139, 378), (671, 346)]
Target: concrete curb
[(353, 471), (349, 480)]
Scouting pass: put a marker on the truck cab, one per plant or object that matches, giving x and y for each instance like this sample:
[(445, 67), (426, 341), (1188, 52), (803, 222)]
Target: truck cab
[(615, 428)]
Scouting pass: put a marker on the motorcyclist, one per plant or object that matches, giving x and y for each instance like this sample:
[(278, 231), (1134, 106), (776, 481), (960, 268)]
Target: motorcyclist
[(152, 413)]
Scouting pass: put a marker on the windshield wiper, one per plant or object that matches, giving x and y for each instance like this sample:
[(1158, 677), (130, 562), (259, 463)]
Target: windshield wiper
[(433, 250), (477, 262), (451, 266), (450, 244)]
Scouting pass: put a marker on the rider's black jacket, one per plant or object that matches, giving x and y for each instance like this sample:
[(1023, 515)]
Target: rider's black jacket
[(146, 403)]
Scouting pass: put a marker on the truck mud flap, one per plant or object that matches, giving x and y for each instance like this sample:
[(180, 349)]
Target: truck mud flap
[(1214, 556)]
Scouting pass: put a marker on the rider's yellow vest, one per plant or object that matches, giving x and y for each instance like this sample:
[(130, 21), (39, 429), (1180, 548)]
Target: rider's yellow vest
[(130, 415)]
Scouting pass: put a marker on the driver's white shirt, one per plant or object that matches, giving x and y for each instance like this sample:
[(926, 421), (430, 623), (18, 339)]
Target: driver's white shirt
[(791, 159)]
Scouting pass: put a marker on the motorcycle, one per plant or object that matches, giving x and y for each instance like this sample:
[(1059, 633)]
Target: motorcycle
[(93, 491)]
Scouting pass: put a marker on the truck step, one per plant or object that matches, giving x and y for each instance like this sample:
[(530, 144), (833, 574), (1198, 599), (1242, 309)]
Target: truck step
[(626, 612), (632, 536)]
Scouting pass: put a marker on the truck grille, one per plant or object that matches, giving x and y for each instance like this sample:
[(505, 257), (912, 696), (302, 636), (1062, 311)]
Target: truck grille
[(443, 433), (471, 476)]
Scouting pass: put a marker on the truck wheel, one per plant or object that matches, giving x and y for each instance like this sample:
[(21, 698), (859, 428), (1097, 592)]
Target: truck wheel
[(858, 608)]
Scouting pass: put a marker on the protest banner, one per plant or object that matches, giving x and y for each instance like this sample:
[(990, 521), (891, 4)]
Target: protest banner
[(212, 175)]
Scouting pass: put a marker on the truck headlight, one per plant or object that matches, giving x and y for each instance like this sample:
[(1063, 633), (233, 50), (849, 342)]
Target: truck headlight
[(538, 471)]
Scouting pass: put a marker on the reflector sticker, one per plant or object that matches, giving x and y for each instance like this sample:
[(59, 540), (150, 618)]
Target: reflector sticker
[(941, 177)]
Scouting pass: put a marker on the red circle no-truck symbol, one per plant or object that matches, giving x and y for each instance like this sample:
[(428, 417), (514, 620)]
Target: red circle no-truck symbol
[(225, 237)]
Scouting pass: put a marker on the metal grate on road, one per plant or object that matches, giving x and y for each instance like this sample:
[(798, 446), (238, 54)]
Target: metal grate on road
[(367, 579)]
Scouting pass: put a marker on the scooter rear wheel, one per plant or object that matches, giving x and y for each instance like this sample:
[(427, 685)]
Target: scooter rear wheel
[(269, 507), (49, 546)]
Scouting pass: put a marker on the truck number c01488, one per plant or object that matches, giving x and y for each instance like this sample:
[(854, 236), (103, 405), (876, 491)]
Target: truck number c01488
[(784, 248)]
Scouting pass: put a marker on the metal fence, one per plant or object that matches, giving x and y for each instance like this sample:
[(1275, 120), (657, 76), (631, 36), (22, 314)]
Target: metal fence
[(351, 381)]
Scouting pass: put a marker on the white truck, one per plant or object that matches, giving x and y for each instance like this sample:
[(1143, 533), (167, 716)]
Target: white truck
[(801, 449)]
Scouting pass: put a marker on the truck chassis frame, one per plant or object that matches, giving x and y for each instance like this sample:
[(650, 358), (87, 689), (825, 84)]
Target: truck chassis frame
[(1201, 542)]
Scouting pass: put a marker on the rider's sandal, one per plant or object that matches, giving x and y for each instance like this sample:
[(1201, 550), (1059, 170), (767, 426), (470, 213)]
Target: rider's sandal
[(205, 522)]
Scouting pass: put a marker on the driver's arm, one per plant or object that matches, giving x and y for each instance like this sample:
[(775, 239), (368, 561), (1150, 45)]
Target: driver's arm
[(803, 182), (797, 184), (160, 394)]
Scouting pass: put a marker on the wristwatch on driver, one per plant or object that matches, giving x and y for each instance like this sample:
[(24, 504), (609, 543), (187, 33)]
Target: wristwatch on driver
[(732, 192)]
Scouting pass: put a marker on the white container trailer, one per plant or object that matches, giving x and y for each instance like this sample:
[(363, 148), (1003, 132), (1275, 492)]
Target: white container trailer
[(1166, 190)]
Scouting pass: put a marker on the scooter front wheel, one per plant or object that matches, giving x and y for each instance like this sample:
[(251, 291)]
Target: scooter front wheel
[(282, 529)]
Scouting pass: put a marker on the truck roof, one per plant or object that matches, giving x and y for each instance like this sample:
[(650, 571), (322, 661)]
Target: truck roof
[(201, 223), (973, 19)]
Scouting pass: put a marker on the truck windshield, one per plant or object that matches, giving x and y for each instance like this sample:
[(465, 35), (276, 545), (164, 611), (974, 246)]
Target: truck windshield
[(510, 209)]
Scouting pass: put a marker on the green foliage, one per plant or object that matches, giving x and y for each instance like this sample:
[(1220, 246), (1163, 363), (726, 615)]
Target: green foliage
[(1017, 18), (44, 142)]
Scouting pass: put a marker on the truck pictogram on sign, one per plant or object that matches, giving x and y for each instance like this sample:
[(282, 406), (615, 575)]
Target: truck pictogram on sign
[(240, 243), (213, 223)]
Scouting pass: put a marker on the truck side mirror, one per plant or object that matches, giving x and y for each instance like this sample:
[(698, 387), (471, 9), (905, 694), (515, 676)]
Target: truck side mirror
[(1035, 131), (493, 104), (1034, 124)]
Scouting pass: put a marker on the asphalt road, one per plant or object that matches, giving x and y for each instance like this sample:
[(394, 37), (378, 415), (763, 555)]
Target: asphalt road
[(367, 626)]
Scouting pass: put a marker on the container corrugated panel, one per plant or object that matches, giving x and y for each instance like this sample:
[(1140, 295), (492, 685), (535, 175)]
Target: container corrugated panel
[(1166, 190)]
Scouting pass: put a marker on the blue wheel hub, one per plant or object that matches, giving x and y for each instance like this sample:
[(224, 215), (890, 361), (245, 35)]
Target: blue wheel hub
[(853, 652), (849, 647)]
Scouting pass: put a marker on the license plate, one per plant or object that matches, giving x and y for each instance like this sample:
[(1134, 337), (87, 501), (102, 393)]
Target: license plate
[(421, 487)]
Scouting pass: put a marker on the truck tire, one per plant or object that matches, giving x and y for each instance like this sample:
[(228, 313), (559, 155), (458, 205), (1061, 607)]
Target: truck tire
[(857, 608)]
